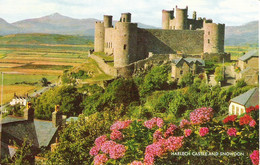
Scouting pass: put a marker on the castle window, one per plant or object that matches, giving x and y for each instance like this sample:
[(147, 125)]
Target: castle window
[(124, 46), (209, 33), (123, 19), (208, 40), (181, 72)]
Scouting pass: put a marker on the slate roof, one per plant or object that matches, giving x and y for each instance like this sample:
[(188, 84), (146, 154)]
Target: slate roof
[(252, 53), (72, 118), (189, 61), (249, 98), (40, 132)]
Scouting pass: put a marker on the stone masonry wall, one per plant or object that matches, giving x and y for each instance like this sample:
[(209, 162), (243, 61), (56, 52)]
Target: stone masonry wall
[(109, 70), (169, 41)]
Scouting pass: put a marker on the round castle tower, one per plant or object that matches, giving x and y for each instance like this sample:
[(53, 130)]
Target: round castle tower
[(181, 18), (125, 17), (167, 15), (99, 37), (125, 42), (213, 37), (108, 21)]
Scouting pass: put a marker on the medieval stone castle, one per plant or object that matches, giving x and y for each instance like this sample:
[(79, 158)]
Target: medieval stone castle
[(179, 35)]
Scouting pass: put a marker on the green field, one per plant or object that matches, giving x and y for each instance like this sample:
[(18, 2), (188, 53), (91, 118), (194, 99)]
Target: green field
[(238, 51), (26, 58)]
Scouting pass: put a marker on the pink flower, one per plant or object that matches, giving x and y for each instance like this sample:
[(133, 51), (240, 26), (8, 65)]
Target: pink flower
[(201, 115), (120, 125), (157, 135), (170, 130), (159, 122), (184, 122), (232, 132), (150, 123), (187, 132), (155, 149), (252, 123), (116, 135), (136, 163), (94, 151), (255, 157), (117, 151), (105, 148), (203, 131), (100, 140), (174, 143), (148, 159), (100, 159)]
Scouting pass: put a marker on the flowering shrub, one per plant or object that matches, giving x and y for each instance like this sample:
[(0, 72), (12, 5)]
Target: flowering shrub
[(153, 122), (184, 123), (152, 142), (187, 132), (170, 130), (232, 132), (231, 118), (245, 120), (116, 135), (120, 125), (252, 123), (201, 115), (100, 159), (203, 131), (136, 163), (255, 157)]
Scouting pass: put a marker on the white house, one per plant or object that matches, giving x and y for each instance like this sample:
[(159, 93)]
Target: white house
[(22, 100), (239, 104)]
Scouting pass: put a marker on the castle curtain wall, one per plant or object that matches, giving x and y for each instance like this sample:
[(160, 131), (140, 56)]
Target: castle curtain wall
[(161, 41)]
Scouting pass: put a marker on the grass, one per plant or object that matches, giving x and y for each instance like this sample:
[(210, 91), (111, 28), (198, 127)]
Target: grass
[(11, 79), (9, 91)]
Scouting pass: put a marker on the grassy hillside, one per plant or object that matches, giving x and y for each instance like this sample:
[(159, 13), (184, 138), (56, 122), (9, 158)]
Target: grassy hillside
[(53, 39)]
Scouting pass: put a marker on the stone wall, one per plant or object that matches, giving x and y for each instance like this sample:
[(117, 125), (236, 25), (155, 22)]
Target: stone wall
[(169, 41), (109, 70)]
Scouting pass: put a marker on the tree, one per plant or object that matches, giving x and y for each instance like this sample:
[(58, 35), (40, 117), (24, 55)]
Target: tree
[(44, 82), (219, 74), (186, 80), (67, 97), (156, 79)]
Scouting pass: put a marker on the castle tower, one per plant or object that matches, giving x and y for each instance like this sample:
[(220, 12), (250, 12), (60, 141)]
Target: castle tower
[(181, 18), (125, 42), (213, 37), (108, 21), (99, 36), (125, 17), (167, 15), (194, 15)]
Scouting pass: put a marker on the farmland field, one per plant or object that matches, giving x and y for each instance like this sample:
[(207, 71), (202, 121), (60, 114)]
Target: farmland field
[(26, 58), (237, 51)]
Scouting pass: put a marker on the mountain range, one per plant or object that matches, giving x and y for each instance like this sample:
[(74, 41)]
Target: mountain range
[(59, 24)]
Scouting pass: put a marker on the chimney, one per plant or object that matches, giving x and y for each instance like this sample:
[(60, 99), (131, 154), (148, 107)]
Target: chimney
[(57, 117), (29, 112)]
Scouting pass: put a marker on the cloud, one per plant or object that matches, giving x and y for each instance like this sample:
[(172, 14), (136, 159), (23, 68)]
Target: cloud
[(230, 12)]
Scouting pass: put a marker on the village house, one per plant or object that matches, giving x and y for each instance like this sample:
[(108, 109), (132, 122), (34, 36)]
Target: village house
[(41, 133), (248, 65), (183, 66), (239, 104), (21, 100)]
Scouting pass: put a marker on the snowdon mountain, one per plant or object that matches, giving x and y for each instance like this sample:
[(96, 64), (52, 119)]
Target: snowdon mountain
[(54, 24), (59, 24)]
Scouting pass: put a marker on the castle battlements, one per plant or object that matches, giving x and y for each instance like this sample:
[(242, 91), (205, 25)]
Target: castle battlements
[(128, 43)]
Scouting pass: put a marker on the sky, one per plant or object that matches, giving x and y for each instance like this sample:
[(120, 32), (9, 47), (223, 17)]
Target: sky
[(230, 12)]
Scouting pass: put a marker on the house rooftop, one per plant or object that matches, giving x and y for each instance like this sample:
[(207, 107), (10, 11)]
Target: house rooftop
[(248, 55), (189, 61), (249, 98)]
